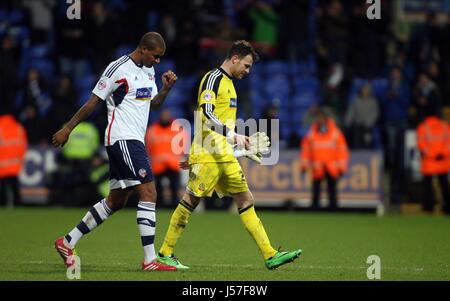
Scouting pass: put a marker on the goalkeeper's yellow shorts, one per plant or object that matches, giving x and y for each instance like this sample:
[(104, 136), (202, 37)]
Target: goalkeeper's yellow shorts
[(226, 178)]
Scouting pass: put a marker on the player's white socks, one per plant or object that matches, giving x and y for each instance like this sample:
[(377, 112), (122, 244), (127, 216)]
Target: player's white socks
[(93, 218), (146, 220)]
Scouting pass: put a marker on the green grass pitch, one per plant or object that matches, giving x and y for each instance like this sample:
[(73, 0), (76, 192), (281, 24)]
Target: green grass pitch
[(217, 247)]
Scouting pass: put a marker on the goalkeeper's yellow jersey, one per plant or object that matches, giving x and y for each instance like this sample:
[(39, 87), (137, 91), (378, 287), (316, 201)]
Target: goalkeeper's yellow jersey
[(217, 93)]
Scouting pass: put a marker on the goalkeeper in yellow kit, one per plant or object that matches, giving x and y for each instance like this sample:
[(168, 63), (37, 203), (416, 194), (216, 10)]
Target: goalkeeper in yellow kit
[(212, 159)]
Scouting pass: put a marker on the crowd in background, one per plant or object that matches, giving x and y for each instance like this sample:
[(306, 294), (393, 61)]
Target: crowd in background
[(376, 77)]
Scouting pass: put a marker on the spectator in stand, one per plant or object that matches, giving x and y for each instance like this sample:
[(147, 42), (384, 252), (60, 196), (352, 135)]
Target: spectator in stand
[(444, 53), (265, 26), (333, 31), (9, 66), (102, 26), (35, 109), (433, 141), (394, 106), (41, 13), (64, 98), (71, 41), (426, 98), (361, 118), (424, 41)]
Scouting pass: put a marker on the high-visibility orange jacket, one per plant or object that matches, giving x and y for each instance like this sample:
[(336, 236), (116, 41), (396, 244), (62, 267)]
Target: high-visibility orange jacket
[(324, 151), (13, 146), (159, 141), (433, 141)]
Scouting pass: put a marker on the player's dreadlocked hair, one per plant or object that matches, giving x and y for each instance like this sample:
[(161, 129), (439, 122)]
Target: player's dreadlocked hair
[(242, 48), (152, 40)]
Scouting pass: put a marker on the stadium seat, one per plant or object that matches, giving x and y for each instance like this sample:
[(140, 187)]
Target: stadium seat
[(164, 65), (306, 85), (176, 97), (304, 100), (85, 83), (122, 50), (357, 83), (16, 17), (38, 51), (45, 67), (277, 86), (186, 83), (380, 86), (303, 69), (273, 68)]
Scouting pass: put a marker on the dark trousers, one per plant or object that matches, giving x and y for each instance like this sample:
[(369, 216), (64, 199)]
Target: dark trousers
[(9, 191), (174, 180), (430, 198), (331, 191)]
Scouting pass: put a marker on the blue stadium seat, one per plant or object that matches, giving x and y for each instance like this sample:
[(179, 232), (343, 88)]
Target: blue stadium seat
[(186, 83), (304, 100), (16, 17), (176, 97), (306, 85), (256, 81), (85, 83), (285, 130), (165, 65), (380, 86), (46, 68), (38, 51), (273, 68), (122, 50), (83, 97), (278, 86), (357, 83)]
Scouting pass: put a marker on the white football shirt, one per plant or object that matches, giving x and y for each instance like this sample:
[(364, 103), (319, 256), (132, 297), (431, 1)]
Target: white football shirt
[(128, 90)]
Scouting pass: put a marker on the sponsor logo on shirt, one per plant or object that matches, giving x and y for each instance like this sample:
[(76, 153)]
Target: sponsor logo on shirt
[(233, 102), (144, 93)]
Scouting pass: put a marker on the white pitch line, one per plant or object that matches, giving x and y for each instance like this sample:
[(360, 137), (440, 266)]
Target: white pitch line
[(311, 267)]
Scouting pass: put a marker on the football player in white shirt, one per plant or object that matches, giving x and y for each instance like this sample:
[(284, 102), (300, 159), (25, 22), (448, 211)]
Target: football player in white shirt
[(129, 90)]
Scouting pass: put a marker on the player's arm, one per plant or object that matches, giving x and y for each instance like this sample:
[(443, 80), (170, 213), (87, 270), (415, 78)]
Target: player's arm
[(219, 127), (168, 78), (61, 137)]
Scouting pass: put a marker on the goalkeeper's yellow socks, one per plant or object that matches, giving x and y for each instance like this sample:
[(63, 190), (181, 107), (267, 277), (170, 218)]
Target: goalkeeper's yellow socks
[(256, 229), (178, 222)]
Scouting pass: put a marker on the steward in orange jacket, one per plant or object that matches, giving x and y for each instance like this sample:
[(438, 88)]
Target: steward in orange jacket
[(164, 160), (433, 141), (13, 146), (324, 150)]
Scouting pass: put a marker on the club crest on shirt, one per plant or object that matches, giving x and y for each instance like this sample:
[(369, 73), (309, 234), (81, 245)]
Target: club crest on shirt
[(201, 187), (144, 93), (101, 84), (207, 96), (142, 172)]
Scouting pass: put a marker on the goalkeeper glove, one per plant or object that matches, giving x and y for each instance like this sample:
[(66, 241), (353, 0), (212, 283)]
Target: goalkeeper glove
[(259, 145)]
